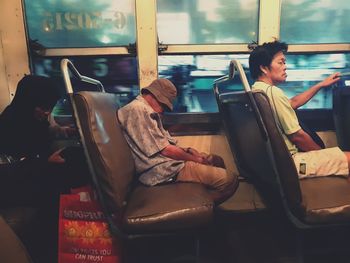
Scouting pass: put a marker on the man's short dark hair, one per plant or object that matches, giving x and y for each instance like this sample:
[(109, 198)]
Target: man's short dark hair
[(262, 55)]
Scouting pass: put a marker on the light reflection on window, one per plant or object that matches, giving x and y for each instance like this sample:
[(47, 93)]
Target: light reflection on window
[(81, 23), (203, 21), (309, 21)]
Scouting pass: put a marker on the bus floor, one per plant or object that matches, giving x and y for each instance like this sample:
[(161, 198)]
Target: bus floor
[(257, 237), (250, 238)]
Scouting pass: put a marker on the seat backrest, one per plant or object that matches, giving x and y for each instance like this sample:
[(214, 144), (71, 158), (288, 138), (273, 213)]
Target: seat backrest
[(107, 151), (258, 145), (109, 158), (260, 151), (341, 116), (282, 159), (244, 137)]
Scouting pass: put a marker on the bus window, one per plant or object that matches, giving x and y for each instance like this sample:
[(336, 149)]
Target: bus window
[(207, 22), (309, 21), (194, 76), (305, 71), (117, 74), (78, 23)]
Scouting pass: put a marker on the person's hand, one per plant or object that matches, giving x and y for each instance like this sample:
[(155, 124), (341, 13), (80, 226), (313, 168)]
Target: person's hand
[(330, 80), (202, 160), (199, 157), (56, 157), (215, 160)]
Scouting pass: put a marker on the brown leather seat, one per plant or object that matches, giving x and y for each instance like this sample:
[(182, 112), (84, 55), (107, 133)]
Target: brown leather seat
[(11, 248), (144, 209), (170, 209), (323, 200), (326, 200), (263, 155), (341, 117), (263, 158)]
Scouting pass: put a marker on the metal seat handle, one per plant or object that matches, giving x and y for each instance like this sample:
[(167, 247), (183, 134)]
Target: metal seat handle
[(66, 67)]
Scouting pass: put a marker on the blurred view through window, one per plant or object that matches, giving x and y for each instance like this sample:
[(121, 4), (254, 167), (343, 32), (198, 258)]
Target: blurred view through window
[(207, 22), (194, 76), (77, 23), (310, 21), (305, 71), (117, 74)]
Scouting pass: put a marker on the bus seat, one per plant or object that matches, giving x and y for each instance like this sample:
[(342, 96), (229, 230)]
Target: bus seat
[(248, 148), (166, 209), (11, 248), (309, 202), (322, 200), (341, 116)]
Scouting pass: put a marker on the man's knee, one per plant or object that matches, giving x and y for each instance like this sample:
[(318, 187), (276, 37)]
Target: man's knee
[(214, 177), (227, 188), (226, 181)]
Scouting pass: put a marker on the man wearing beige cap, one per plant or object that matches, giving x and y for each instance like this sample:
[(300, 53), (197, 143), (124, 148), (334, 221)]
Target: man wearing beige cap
[(158, 159)]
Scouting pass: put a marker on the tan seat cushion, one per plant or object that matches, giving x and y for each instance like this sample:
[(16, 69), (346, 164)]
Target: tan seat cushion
[(11, 248), (168, 207), (326, 199)]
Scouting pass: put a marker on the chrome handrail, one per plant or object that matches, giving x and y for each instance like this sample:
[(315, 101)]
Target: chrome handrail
[(236, 65), (66, 67)]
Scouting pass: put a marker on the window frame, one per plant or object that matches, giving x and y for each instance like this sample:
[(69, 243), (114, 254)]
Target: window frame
[(147, 53)]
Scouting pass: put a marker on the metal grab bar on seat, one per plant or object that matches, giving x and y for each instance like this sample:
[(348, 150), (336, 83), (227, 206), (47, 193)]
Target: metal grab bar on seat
[(66, 68), (235, 65), (67, 65)]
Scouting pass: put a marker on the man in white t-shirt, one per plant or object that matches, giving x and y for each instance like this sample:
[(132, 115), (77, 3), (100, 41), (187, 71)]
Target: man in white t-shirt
[(267, 65)]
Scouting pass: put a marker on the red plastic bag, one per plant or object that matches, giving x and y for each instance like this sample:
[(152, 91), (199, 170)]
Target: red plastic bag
[(84, 236)]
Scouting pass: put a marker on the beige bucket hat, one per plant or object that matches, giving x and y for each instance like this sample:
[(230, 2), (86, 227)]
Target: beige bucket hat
[(164, 91)]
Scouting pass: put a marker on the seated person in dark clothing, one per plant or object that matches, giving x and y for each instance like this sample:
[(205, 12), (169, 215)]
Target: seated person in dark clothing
[(24, 126), (25, 138)]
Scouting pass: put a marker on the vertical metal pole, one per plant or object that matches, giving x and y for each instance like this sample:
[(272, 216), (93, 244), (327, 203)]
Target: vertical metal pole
[(146, 41), (269, 20)]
